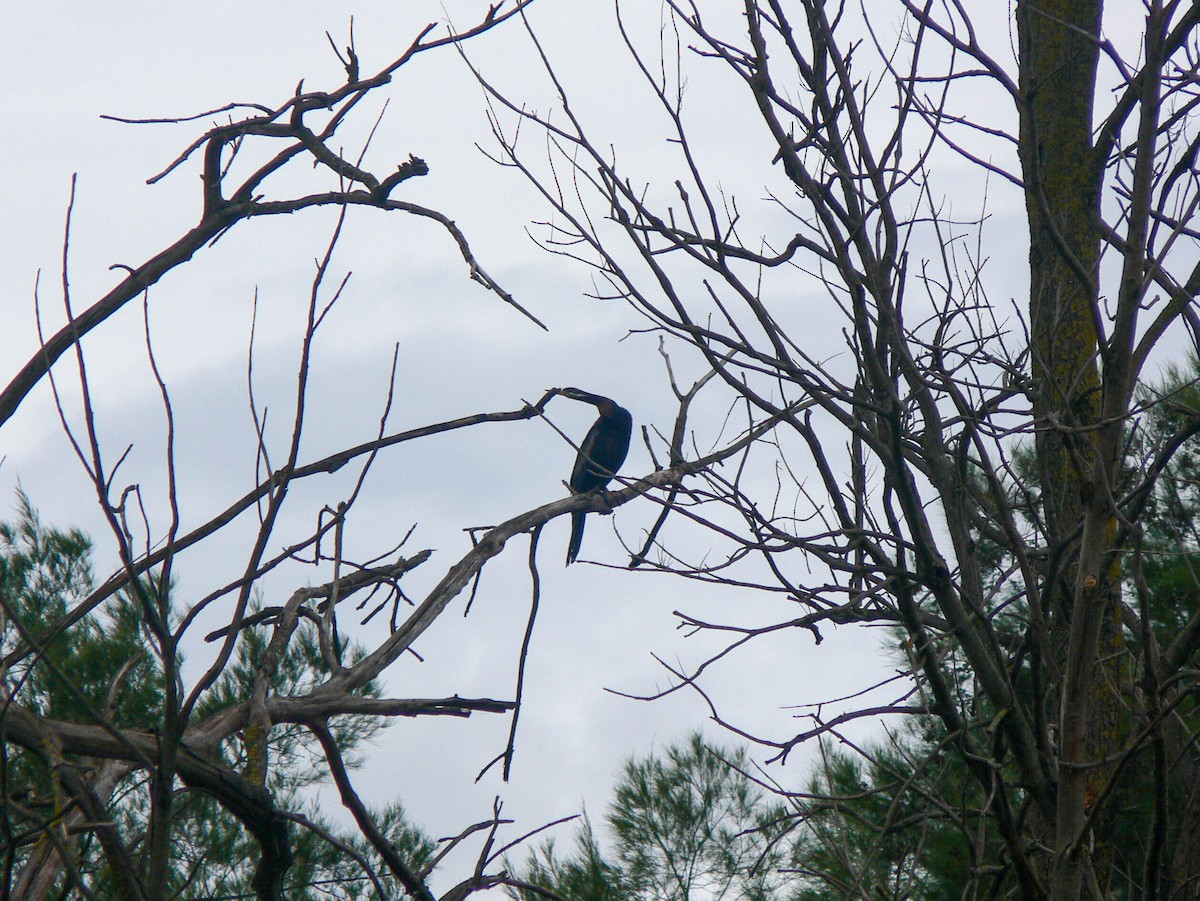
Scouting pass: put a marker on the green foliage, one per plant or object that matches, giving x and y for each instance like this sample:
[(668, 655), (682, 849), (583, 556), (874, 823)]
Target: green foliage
[(888, 824), (217, 857), (583, 876), (105, 667), (1170, 558), (94, 669), (688, 824), (691, 821)]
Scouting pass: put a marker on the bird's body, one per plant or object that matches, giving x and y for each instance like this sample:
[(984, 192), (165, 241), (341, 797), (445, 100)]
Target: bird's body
[(600, 455)]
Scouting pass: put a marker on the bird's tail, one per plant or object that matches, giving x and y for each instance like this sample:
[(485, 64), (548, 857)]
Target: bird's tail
[(577, 520)]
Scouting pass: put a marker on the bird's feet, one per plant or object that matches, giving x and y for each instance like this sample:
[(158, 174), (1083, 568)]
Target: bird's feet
[(608, 498)]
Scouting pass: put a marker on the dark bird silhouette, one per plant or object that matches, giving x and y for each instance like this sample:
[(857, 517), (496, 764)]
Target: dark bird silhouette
[(600, 456)]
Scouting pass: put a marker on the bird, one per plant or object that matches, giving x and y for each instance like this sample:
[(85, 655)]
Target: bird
[(600, 455)]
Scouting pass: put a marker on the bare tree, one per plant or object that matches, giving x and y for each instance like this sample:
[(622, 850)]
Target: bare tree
[(859, 289), (281, 680)]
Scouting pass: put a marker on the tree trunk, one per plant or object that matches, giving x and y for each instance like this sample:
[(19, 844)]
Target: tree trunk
[(1058, 42)]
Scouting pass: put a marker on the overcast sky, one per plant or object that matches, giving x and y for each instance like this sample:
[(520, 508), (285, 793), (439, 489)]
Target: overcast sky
[(461, 352)]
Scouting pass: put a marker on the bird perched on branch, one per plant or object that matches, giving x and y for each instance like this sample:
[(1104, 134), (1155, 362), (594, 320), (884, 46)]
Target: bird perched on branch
[(600, 456)]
